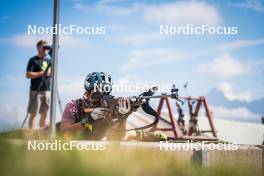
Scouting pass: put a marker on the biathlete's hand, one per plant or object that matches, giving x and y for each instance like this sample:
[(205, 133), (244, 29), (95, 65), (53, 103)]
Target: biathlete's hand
[(124, 105), (99, 113)]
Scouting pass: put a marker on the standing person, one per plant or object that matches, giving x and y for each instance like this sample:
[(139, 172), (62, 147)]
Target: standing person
[(39, 96)]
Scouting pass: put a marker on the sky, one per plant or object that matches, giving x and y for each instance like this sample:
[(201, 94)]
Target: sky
[(133, 50)]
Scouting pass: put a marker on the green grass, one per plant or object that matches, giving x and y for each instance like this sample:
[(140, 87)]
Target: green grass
[(17, 160)]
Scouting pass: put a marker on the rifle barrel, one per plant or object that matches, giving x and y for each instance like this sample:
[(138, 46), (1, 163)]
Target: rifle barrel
[(156, 96)]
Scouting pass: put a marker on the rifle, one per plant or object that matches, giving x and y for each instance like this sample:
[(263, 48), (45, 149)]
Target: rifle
[(110, 102)]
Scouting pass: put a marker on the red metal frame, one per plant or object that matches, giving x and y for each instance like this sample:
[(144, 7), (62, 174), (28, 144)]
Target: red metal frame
[(193, 118)]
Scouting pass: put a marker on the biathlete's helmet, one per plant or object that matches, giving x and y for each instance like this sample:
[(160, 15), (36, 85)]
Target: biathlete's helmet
[(100, 80)]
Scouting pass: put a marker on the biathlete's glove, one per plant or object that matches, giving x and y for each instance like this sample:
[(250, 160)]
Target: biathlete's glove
[(99, 113), (124, 106)]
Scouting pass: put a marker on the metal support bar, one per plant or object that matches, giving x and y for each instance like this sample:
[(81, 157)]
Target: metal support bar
[(55, 47), (197, 108), (159, 111), (172, 119), (209, 115), (172, 122)]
